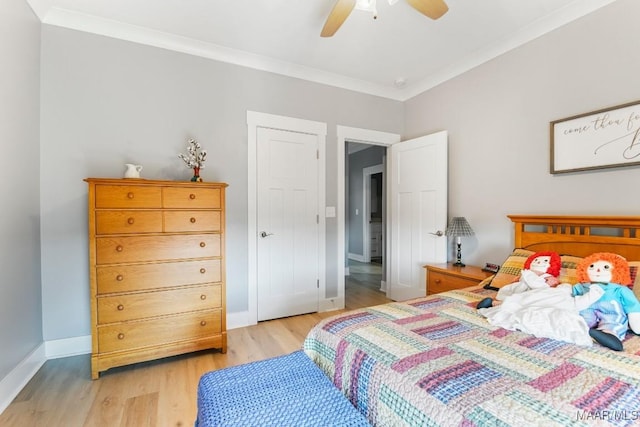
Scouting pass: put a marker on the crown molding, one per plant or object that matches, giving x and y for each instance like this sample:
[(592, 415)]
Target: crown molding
[(559, 18), (40, 7), (118, 30), (109, 28)]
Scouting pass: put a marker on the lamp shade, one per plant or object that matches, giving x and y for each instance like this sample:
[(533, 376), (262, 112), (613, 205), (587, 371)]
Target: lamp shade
[(458, 226)]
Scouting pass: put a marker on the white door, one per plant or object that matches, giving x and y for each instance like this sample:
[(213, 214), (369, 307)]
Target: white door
[(418, 212), (287, 223)]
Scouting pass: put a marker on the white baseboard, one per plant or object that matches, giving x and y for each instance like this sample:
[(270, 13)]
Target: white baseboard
[(19, 376), (331, 304), (15, 381), (66, 347), (238, 320), (356, 257)]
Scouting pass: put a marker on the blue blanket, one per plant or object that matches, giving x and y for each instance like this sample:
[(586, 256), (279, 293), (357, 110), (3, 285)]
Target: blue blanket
[(288, 390)]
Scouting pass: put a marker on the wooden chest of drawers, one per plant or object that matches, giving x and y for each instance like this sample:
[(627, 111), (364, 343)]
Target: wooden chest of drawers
[(156, 255)]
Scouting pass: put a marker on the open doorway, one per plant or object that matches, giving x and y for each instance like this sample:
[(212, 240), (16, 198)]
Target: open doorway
[(345, 136), (365, 208)]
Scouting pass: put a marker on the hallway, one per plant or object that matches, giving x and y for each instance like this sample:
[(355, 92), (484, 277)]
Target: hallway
[(363, 284)]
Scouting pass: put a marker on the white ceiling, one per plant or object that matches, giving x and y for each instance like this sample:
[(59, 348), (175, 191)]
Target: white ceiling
[(283, 36)]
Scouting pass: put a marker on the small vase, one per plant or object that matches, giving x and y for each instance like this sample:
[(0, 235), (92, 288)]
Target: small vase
[(196, 175)]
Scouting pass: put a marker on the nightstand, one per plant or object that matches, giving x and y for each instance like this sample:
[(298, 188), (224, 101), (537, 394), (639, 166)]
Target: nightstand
[(447, 277)]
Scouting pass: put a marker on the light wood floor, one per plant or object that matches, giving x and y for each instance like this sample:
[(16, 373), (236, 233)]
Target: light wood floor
[(160, 393)]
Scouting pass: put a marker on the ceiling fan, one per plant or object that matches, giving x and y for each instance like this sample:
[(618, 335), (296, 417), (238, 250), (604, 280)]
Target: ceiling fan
[(434, 9)]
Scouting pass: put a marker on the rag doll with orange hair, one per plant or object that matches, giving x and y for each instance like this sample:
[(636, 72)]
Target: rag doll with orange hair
[(618, 309)]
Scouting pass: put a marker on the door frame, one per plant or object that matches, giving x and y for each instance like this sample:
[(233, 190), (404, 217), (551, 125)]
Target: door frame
[(366, 208), (256, 120), (366, 136)]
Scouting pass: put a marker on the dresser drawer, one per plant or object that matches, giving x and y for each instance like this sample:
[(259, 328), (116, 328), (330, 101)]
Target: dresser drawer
[(121, 249), (119, 308), (439, 282), (127, 196), (191, 198), (131, 278), (121, 222), (155, 332), (184, 221)]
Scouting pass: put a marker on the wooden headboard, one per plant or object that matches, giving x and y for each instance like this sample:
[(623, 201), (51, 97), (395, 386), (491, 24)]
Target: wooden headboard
[(579, 235)]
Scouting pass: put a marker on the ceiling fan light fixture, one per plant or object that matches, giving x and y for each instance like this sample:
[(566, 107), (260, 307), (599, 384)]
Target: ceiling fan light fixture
[(368, 5), (433, 9)]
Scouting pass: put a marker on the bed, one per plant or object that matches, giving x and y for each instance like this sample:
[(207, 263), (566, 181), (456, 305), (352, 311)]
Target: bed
[(435, 361)]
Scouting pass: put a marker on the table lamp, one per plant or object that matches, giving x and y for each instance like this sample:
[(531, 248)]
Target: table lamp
[(458, 226)]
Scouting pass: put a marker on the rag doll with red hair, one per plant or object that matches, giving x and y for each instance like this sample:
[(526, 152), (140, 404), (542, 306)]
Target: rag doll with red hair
[(540, 270), (618, 309)]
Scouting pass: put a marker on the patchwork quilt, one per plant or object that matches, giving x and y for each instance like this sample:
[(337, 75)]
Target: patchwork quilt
[(435, 361)]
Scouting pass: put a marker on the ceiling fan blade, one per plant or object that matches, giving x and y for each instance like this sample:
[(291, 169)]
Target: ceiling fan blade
[(434, 9), (338, 15)]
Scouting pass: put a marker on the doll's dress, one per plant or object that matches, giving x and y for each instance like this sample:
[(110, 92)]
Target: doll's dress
[(545, 312), (528, 280)]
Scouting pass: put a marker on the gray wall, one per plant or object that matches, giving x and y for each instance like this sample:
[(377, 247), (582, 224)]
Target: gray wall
[(359, 160), (498, 119), (20, 297), (106, 102)]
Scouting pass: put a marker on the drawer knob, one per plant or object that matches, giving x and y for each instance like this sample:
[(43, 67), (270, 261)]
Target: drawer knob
[(203, 270), (130, 195), (203, 323), (120, 336), (203, 297), (131, 221), (119, 248), (120, 307), (193, 220), (203, 244), (437, 280), (192, 196), (119, 277)]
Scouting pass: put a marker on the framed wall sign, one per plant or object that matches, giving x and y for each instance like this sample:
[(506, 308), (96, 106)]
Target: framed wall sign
[(600, 139)]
